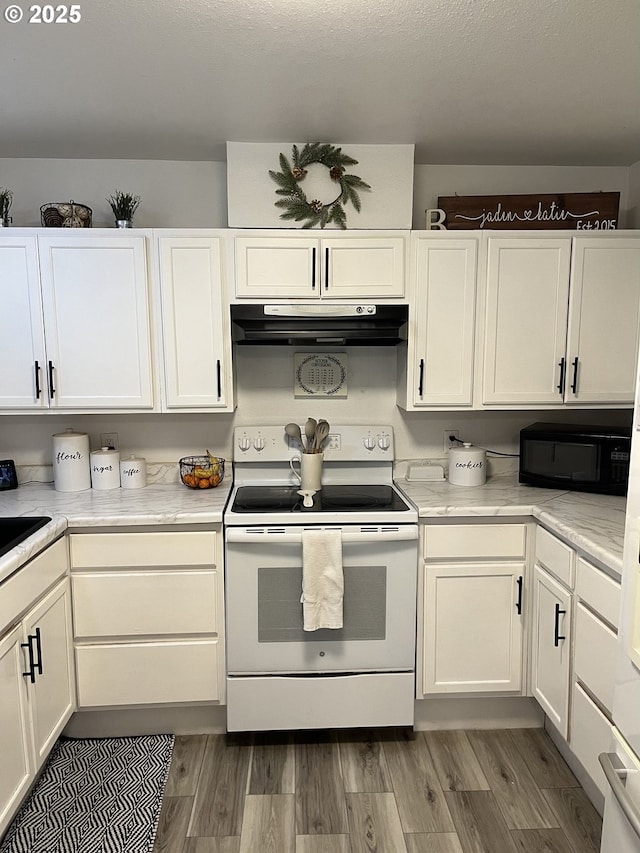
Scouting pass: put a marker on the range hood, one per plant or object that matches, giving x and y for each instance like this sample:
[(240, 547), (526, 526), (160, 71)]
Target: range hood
[(319, 323)]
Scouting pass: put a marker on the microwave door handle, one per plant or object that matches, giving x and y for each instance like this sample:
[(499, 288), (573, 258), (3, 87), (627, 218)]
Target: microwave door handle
[(401, 534)]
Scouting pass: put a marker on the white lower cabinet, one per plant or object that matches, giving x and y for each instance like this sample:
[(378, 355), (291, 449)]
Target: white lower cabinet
[(551, 647), (148, 617), (472, 620), (37, 683)]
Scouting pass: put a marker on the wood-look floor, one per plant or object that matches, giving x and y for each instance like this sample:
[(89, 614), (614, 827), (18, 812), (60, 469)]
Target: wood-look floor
[(382, 791)]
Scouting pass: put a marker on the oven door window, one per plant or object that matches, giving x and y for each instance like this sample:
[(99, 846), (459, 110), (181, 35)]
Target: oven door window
[(280, 611)]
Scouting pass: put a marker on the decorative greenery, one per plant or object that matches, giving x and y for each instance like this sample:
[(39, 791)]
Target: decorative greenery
[(295, 203), (123, 205), (6, 198)]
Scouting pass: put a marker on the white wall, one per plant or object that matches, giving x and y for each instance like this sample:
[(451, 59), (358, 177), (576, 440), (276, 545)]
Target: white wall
[(265, 395), (192, 195), (633, 219)]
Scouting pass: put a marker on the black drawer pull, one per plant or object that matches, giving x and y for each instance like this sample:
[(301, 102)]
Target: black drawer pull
[(52, 390), (557, 636), (313, 269), (37, 374), (421, 380), (574, 384), (519, 601), (560, 385)]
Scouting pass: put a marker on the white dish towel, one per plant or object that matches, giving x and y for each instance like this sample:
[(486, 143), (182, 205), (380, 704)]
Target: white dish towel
[(322, 579)]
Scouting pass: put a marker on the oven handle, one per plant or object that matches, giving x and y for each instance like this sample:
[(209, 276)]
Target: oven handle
[(400, 534)]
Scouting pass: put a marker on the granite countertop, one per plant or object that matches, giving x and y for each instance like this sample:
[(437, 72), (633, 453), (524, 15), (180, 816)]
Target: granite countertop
[(593, 524), (155, 504)]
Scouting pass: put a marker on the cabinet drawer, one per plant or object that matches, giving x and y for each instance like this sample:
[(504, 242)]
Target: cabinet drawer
[(108, 604), (556, 557), (591, 734), (111, 550), (600, 592), (595, 655), (474, 541), (31, 581), (147, 673)]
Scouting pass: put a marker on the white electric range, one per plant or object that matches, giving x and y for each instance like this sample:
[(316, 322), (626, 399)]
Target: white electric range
[(279, 675)]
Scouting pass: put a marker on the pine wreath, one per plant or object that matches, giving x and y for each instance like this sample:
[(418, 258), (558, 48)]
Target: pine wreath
[(295, 203)]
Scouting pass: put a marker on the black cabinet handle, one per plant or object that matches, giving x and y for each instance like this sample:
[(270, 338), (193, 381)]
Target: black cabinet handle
[(519, 601), (38, 662), (560, 385), (36, 369), (421, 380), (557, 636), (31, 673), (313, 269), (52, 390), (326, 268), (218, 379), (574, 384)]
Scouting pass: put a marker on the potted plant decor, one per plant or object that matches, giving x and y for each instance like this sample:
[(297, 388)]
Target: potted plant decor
[(123, 205), (6, 198)]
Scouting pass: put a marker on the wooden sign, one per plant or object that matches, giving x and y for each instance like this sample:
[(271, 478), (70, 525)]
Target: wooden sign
[(588, 211)]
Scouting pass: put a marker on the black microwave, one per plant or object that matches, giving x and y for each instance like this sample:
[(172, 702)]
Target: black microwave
[(579, 458)]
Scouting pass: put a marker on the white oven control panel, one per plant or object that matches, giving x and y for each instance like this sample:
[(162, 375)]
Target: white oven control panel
[(344, 443)]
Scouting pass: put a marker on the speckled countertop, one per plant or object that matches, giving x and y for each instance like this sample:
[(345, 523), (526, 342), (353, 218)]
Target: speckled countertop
[(155, 504), (593, 524)]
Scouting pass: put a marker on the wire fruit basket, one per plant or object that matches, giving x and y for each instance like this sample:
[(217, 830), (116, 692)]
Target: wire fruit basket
[(202, 472)]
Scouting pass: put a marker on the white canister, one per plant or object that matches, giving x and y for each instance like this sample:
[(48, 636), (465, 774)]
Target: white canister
[(71, 471), (133, 472), (105, 469), (467, 466)]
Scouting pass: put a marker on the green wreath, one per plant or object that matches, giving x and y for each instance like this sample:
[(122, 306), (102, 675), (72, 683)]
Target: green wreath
[(295, 203)]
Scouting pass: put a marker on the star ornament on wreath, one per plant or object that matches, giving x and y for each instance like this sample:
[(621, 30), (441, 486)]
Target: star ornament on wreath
[(315, 212)]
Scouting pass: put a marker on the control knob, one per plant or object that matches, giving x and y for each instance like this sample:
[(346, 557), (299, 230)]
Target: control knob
[(258, 443), (383, 442), (369, 442), (244, 443)]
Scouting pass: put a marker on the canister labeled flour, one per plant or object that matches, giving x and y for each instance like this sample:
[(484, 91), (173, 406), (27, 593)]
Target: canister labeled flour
[(133, 472), (467, 466), (71, 461), (105, 469)]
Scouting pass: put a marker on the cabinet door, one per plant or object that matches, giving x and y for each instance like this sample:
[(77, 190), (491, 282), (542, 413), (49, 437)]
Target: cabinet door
[(52, 695), (445, 297), (96, 312), (16, 757), (473, 628), (604, 317), (22, 338), (362, 267), (526, 319), (278, 267), (551, 647), (196, 360)]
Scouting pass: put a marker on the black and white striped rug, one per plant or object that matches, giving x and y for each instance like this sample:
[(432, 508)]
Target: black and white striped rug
[(98, 795)]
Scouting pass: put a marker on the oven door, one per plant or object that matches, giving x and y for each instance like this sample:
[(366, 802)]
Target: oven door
[(264, 614)]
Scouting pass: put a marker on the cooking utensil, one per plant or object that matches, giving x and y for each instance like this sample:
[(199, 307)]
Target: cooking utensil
[(322, 431), (310, 432), (294, 431)]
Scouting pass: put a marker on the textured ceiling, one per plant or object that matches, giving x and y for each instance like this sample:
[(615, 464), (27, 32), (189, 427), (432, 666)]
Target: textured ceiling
[(468, 81)]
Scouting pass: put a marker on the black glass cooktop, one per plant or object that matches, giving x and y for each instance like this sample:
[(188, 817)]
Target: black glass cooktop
[(330, 499)]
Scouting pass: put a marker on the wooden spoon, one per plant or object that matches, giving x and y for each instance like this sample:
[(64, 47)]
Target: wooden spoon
[(294, 431), (310, 431)]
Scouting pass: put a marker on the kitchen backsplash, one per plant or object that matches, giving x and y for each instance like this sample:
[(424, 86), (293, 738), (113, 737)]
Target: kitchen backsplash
[(265, 395)]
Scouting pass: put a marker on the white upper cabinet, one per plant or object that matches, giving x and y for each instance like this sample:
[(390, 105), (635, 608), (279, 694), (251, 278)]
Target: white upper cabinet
[(604, 317), (22, 351), (527, 292), (443, 292), (195, 333), (297, 266), (96, 317), (561, 320)]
